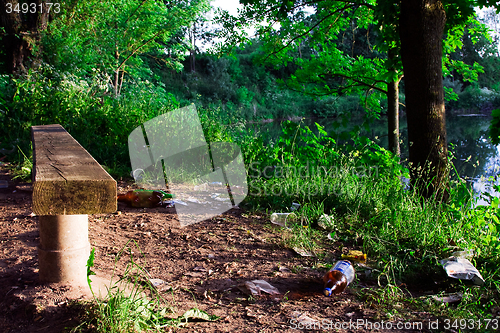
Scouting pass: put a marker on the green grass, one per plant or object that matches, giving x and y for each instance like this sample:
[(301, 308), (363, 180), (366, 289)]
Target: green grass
[(86, 108), (357, 183), (370, 208), (100, 122)]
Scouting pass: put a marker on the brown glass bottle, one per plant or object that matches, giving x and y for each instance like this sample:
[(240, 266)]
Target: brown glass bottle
[(142, 198), (338, 278), (335, 283)]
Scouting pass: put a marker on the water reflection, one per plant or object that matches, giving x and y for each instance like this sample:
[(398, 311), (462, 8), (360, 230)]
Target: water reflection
[(476, 158), (485, 182)]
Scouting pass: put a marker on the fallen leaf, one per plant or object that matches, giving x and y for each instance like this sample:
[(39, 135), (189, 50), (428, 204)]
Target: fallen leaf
[(304, 320)]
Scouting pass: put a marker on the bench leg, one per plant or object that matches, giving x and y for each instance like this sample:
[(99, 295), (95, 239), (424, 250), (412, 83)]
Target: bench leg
[(64, 248)]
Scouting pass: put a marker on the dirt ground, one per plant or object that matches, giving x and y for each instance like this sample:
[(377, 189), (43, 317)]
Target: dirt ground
[(202, 264)]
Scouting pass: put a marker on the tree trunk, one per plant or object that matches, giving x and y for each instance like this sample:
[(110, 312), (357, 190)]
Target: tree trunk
[(421, 31), (393, 108), (192, 52), (22, 33), (118, 66), (393, 115)]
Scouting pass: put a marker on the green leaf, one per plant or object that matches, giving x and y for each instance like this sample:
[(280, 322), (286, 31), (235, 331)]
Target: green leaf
[(90, 264), (494, 202), (198, 314)]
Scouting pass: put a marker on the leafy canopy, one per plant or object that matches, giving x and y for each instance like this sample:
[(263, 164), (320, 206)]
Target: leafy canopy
[(111, 35)]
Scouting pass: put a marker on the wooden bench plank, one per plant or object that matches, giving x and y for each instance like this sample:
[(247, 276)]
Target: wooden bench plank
[(67, 180)]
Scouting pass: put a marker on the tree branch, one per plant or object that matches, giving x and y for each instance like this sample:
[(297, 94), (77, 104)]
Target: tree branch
[(360, 82), (309, 30), (137, 49), (133, 13)]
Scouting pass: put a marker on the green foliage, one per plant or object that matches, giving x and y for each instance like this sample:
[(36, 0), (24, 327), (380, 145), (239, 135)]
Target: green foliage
[(247, 90), (484, 225), (330, 61), (90, 264), (495, 126), (308, 166), (462, 46), (300, 145), (24, 168), (324, 47), (110, 36), (84, 107), (472, 99)]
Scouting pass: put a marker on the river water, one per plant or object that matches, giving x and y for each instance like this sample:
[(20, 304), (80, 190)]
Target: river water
[(476, 158)]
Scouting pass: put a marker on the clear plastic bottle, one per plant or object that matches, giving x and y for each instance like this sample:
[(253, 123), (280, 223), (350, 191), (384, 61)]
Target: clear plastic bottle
[(282, 218), (338, 278)]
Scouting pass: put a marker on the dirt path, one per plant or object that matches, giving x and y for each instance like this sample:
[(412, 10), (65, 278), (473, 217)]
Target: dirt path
[(203, 264)]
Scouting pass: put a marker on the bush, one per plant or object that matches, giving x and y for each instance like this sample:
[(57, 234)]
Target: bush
[(474, 99), (84, 106)]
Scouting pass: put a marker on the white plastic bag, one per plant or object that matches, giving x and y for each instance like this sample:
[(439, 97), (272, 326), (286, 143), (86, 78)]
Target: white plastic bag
[(256, 286), (460, 268)]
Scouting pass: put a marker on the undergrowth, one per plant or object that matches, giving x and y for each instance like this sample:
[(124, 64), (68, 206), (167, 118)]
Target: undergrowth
[(132, 303), (361, 187)]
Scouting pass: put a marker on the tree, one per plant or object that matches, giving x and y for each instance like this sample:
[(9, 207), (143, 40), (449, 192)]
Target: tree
[(411, 35), (113, 35), (421, 26), (192, 49), (328, 62), (198, 31), (478, 49), (21, 26)]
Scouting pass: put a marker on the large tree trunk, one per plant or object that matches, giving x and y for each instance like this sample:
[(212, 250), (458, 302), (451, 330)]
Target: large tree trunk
[(421, 31), (22, 33)]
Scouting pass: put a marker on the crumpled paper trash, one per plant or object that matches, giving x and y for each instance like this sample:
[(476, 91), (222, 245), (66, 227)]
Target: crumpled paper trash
[(304, 320), (326, 222), (303, 252)]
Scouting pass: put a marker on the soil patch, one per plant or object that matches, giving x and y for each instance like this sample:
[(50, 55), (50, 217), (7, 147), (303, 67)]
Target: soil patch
[(203, 266)]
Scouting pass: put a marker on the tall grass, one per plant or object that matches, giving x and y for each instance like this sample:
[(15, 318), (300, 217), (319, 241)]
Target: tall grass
[(361, 186), (88, 109)]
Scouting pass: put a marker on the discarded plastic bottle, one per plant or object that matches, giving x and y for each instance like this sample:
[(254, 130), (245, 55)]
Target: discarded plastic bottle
[(338, 278), (282, 218), (144, 198)]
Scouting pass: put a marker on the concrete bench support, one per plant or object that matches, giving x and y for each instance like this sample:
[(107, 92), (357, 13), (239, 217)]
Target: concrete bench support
[(68, 185), (64, 248)]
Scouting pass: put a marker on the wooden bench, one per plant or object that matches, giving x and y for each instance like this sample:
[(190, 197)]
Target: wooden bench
[(68, 184)]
